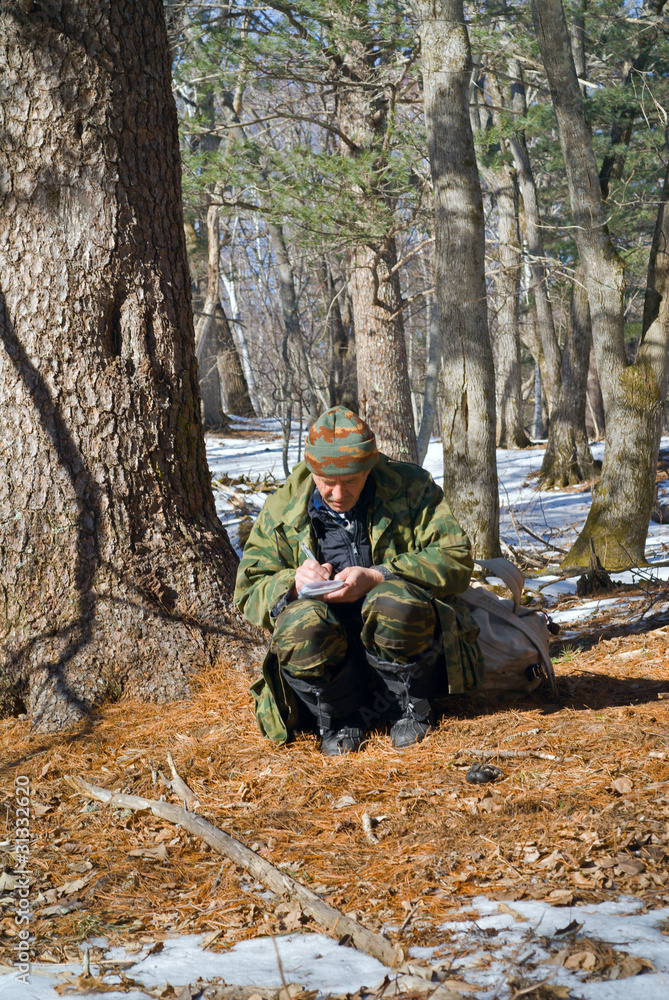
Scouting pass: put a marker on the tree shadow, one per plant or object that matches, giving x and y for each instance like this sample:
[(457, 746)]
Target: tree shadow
[(34, 670), (76, 633)]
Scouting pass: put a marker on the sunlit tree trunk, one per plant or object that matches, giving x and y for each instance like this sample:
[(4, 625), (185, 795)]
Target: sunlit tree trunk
[(510, 431), (633, 395), (384, 396), (116, 574), (470, 471)]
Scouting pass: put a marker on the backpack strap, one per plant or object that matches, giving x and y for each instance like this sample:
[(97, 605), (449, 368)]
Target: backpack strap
[(530, 625), (509, 574)]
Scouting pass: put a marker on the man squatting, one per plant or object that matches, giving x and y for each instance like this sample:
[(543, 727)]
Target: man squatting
[(395, 636)]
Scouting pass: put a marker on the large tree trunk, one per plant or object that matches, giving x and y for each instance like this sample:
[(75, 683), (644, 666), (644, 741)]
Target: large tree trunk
[(384, 399), (384, 394), (470, 471), (116, 574), (617, 523)]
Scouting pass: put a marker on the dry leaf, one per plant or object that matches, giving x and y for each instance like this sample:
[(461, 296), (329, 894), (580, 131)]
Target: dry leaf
[(505, 908), (582, 881), (623, 786), (581, 960), (8, 882), (344, 801), (150, 853), (70, 888), (630, 865)]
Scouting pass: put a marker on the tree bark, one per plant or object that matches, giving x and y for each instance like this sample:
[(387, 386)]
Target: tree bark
[(617, 523), (568, 459), (551, 363), (240, 341), (384, 396), (432, 373), (384, 400), (470, 471), (595, 424), (116, 574), (222, 382), (510, 430)]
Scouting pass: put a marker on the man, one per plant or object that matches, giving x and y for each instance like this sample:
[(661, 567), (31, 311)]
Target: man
[(393, 636)]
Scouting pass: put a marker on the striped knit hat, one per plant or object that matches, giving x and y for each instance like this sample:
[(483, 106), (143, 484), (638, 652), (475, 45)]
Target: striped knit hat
[(339, 443)]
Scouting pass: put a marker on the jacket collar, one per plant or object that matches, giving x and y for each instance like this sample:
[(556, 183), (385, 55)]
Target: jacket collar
[(388, 484)]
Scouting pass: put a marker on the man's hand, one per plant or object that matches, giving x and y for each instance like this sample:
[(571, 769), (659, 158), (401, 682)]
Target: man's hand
[(359, 581), (310, 571)]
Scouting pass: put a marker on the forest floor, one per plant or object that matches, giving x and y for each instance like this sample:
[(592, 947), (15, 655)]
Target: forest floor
[(579, 819)]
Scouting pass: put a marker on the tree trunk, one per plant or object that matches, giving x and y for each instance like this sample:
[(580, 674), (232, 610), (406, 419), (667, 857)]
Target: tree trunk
[(384, 399), (234, 388), (617, 523), (116, 574), (337, 338), (568, 459), (384, 396), (432, 372), (551, 365), (222, 382), (470, 471), (240, 341), (297, 376), (595, 425), (510, 430)]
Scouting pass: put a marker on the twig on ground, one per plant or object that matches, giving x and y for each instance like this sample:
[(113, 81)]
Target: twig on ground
[(533, 534), (327, 916), (409, 915), (367, 827), (180, 788), (502, 858)]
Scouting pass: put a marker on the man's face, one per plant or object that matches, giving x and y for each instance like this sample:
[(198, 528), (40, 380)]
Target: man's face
[(341, 493)]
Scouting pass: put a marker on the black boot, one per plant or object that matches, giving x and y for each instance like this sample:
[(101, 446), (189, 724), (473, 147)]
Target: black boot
[(334, 704), (409, 687)]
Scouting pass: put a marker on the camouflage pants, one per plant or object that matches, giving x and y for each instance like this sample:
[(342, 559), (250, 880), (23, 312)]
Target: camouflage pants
[(339, 659)]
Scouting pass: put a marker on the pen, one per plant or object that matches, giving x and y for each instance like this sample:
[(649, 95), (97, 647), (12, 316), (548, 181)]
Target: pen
[(307, 551)]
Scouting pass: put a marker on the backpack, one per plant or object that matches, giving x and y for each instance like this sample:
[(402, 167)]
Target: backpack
[(512, 639)]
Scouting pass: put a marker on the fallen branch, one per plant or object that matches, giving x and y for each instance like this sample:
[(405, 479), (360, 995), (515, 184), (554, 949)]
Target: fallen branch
[(480, 752), (326, 916)]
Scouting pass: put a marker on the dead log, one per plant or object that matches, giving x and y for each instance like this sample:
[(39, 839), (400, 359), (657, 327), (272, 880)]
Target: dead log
[(328, 917)]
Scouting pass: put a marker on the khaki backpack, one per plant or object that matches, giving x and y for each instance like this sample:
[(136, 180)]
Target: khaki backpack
[(513, 639)]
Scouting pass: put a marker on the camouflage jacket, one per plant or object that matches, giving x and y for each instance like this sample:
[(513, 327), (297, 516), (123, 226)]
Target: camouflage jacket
[(412, 532)]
